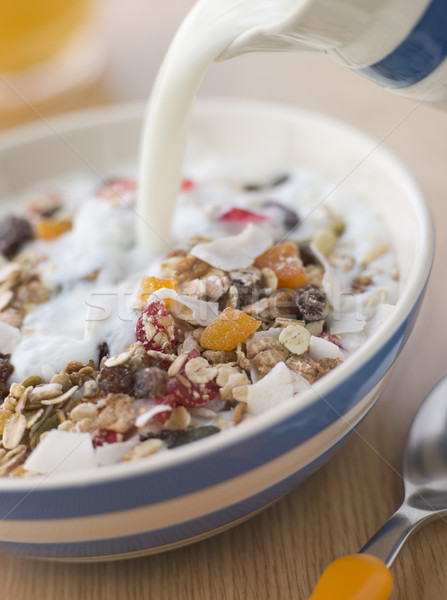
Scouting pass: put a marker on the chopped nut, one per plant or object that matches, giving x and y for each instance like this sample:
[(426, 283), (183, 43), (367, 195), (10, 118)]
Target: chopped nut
[(269, 279), (242, 360), (146, 448), (374, 253), (361, 283), (296, 339), (217, 357), (239, 411), (325, 240), (315, 274), (63, 379), (260, 308), (91, 388), (179, 419), (315, 327), (86, 410), (184, 268)]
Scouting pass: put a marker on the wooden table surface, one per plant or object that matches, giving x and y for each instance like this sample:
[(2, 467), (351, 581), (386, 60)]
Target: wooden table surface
[(280, 553)]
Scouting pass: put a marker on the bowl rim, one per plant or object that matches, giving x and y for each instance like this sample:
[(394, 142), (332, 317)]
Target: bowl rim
[(133, 111)]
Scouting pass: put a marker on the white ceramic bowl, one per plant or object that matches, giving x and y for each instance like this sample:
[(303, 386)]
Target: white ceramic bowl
[(197, 490)]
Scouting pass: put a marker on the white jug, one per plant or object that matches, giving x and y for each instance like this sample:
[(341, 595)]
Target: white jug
[(401, 44)]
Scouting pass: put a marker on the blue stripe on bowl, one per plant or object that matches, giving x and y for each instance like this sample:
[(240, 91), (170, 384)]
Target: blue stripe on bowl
[(422, 51), (157, 540), (213, 468)]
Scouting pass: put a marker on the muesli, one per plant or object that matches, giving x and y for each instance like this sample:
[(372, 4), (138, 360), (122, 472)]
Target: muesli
[(105, 358)]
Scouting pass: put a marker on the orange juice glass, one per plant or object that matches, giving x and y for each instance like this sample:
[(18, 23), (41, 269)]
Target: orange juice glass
[(47, 47)]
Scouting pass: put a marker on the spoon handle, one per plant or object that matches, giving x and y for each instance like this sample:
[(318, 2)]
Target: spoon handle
[(389, 539), (354, 577)]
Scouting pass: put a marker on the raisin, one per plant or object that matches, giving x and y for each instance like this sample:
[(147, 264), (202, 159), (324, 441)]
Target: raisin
[(287, 216), (256, 187), (6, 370), (311, 302), (103, 351), (14, 232), (248, 293), (307, 255), (116, 380), (192, 435), (150, 382)]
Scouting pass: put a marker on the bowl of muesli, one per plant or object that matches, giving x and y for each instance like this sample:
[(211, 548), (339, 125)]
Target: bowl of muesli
[(146, 403)]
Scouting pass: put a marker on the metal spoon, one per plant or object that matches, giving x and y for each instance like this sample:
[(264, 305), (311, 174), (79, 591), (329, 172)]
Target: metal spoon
[(425, 481)]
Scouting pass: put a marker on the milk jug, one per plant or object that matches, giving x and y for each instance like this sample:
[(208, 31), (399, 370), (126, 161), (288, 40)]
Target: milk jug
[(400, 44)]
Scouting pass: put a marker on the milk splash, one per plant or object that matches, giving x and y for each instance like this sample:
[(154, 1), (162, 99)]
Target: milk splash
[(210, 27)]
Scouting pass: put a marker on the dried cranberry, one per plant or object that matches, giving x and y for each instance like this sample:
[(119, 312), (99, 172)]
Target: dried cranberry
[(279, 212), (311, 302), (188, 393), (169, 400), (105, 436), (241, 217), (155, 328), (327, 336), (306, 254), (150, 382), (187, 185), (116, 380), (117, 187), (14, 232)]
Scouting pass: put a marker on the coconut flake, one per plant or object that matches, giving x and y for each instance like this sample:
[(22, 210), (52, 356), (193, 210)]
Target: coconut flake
[(109, 454), (62, 452), (321, 348), (203, 312), (347, 323), (382, 314), (276, 387), (10, 337), (147, 416), (330, 282), (236, 251)]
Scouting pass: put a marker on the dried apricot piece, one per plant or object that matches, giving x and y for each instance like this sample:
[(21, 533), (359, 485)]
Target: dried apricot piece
[(49, 229), (149, 285), (284, 259), (230, 328)]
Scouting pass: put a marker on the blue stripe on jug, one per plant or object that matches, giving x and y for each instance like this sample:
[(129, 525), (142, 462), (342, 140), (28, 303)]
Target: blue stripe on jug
[(422, 51)]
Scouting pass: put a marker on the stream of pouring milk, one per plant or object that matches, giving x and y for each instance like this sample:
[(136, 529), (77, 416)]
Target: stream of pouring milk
[(210, 27)]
